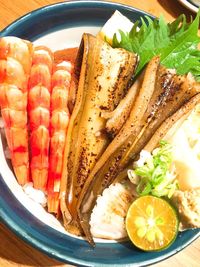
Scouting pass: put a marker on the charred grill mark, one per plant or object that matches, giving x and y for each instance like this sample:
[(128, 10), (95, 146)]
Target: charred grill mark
[(124, 76), (104, 107), (112, 170), (99, 88), (170, 91), (174, 88), (86, 159)]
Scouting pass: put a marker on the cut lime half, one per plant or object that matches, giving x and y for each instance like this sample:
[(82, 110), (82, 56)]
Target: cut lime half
[(151, 223)]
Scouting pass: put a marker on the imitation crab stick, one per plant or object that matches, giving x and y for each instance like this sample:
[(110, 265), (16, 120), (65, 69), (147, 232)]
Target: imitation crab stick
[(61, 79), (39, 115), (15, 64)]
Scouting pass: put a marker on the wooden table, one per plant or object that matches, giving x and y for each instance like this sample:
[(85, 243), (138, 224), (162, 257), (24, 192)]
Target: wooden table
[(13, 251)]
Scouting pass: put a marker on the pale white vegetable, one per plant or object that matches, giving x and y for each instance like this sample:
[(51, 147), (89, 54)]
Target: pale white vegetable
[(186, 152), (113, 25), (108, 216)]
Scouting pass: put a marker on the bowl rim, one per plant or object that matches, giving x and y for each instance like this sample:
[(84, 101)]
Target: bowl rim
[(68, 3), (37, 244)]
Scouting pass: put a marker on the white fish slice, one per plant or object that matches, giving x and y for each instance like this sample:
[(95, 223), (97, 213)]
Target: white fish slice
[(108, 216)]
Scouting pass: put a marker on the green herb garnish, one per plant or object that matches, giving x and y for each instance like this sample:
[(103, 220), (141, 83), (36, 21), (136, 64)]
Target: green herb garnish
[(155, 177), (176, 43)]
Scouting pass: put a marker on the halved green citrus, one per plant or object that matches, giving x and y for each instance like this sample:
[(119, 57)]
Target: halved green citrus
[(151, 223)]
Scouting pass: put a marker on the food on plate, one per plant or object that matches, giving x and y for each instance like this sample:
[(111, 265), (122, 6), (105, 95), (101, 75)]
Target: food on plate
[(117, 118), (70, 55), (113, 25), (39, 114), (15, 65), (60, 84), (154, 172), (101, 87), (176, 43), (186, 141), (163, 93), (108, 216), (111, 128), (35, 194), (188, 206), (151, 223)]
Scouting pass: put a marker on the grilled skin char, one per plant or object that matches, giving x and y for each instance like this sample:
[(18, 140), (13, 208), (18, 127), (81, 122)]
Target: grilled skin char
[(118, 117), (104, 78), (162, 93)]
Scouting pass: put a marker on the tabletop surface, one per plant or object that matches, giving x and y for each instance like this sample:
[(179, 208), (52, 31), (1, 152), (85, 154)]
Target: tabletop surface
[(13, 251)]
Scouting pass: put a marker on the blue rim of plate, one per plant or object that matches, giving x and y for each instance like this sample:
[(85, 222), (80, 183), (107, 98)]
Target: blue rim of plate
[(15, 215)]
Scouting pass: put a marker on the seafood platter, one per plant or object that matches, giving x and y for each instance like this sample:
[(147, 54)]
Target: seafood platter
[(100, 134)]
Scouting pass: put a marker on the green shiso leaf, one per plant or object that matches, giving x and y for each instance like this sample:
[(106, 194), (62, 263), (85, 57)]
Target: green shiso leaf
[(176, 43)]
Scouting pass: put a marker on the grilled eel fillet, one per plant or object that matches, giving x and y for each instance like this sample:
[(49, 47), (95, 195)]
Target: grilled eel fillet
[(163, 98), (105, 74)]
